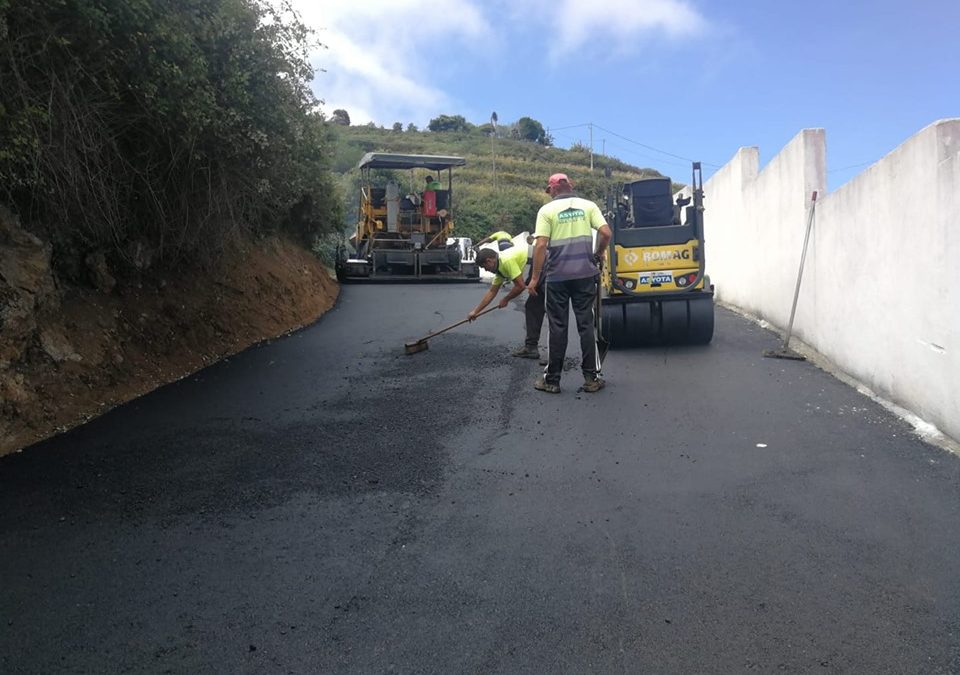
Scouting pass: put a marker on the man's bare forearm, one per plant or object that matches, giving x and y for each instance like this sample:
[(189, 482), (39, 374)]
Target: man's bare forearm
[(603, 239), (539, 258), (518, 288), (486, 299)]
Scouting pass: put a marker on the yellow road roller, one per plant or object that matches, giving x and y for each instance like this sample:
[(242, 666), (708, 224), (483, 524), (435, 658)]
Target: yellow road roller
[(655, 290)]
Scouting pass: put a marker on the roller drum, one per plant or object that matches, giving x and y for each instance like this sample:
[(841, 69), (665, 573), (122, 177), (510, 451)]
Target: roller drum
[(684, 321)]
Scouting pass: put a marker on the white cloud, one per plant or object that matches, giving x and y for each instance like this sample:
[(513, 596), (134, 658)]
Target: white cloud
[(611, 26), (383, 57), (627, 20), (379, 54)]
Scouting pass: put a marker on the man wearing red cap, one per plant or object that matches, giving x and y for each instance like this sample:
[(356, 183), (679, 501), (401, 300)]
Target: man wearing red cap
[(563, 256)]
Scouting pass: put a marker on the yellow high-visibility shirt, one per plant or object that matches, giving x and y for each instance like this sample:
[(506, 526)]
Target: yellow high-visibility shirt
[(510, 265)]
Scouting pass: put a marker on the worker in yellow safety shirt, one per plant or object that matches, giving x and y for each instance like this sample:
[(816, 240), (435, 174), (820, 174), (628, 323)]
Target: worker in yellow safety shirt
[(504, 240), (564, 257), (505, 266)]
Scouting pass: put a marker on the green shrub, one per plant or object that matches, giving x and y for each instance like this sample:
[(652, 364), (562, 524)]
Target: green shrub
[(178, 123)]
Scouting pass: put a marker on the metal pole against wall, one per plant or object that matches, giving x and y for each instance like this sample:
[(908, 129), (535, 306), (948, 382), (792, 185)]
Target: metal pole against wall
[(785, 352)]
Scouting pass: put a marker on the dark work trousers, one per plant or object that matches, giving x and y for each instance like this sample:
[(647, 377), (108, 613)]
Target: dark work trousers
[(581, 294), (533, 310)]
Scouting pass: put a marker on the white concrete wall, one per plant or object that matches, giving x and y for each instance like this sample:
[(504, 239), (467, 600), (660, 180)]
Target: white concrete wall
[(881, 284)]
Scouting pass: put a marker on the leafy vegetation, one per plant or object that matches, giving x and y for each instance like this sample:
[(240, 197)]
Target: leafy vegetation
[(448, 123), (501, 186), (171, 125), (529, 129)]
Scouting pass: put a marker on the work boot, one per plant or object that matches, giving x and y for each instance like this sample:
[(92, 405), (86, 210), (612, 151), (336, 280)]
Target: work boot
[(526, 353), (549, 387), (593, 384)]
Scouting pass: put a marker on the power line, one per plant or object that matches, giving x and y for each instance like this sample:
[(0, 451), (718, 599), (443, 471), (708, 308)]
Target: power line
[(670, 154), (632, 152), (650, 147), (630, 140), (851, 166), (626, 154), (572, 126)]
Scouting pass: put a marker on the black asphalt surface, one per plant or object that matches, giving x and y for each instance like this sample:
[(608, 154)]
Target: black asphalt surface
[(323, 503)]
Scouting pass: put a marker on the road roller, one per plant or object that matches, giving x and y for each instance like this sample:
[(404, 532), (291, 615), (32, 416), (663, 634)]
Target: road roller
[(654, 289)]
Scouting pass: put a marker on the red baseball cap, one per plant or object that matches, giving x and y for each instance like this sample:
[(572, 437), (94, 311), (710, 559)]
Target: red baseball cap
[(558, 179)]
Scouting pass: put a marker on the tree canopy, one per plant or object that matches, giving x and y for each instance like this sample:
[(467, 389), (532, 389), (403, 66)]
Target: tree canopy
[(133, 121), (449, 123), (530, 129)]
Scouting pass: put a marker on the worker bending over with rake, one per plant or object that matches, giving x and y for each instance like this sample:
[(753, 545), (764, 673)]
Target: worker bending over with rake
[(563, 255), (508, 266)]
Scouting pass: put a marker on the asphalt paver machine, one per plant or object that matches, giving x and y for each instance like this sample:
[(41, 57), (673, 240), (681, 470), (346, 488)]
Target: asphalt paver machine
[(405, 227)]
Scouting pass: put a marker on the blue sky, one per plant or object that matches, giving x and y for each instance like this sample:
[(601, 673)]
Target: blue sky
[(690, 79)]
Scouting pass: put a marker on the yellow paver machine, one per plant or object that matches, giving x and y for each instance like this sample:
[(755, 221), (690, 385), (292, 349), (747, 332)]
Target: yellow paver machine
[(654, 287), (405, 223)]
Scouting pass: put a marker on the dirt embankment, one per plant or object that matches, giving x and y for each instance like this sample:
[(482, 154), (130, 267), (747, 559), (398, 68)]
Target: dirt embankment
[(69, 353)]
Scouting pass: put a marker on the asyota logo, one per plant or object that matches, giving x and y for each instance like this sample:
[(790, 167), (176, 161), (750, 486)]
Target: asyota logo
[(571, 214)]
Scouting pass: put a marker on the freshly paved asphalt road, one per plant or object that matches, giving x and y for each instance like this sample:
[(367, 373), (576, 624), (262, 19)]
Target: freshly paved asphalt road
[(323, 503)]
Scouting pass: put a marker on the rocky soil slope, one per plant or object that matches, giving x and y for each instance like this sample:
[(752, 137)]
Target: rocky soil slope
[(69, 353)]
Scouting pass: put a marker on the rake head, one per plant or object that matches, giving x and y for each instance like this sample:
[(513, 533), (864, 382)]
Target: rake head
[(784, 353), (414, 347)]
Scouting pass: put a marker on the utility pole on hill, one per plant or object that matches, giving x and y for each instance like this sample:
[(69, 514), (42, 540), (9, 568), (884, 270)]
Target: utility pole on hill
[(591, 146), (493, 147)]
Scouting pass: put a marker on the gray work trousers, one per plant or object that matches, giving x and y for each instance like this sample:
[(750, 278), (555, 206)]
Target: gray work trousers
[(534, 310)]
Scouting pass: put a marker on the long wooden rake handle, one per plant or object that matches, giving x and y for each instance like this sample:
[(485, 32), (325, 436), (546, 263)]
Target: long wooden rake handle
[(458, 323)]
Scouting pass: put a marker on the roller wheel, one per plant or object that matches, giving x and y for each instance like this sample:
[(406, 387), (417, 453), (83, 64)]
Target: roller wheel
[(641, 324), (674, 322), (613, 325), (628, 325), (700, 331), (682, 321)]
